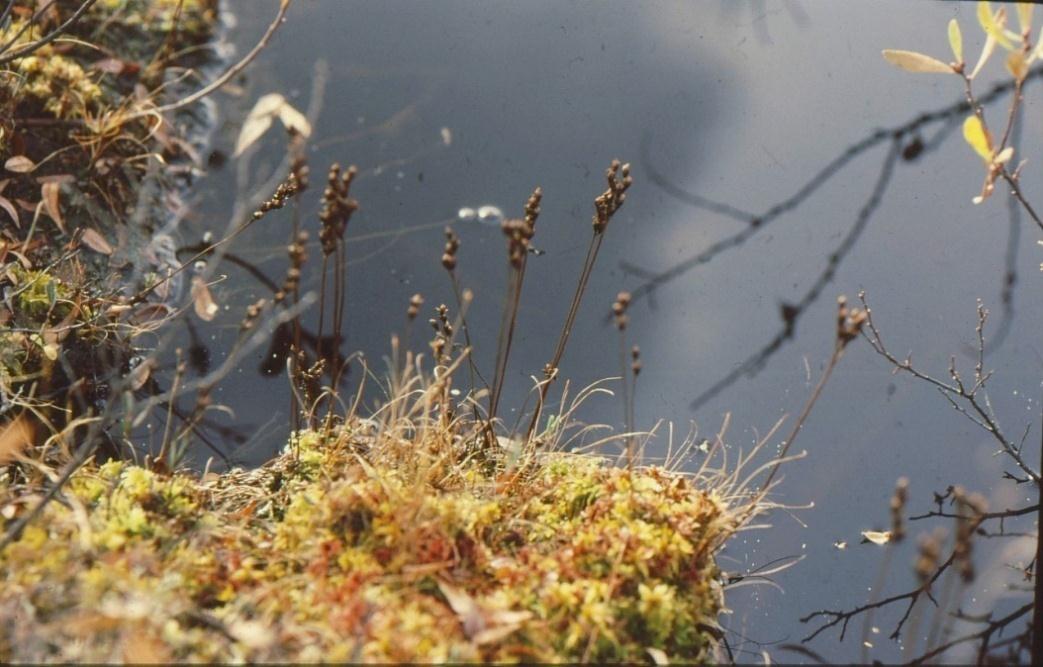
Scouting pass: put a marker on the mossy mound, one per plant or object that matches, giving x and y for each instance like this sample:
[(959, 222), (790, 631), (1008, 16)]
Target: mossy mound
[(329, 554)]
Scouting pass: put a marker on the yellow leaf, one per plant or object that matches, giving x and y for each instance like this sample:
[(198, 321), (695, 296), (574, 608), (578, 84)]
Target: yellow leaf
[(1025, 15), (993, 27), (986, 52), (1017, 66), (876, 537), (911, 61), (976, 138), (956, 40)]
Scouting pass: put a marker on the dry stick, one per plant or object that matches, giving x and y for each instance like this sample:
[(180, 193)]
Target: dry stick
[(506, 336), (7, 11), (838, 351), (755, 222), (792, 313), (1037, 588), (178, 372), (606, 205), (551, 370), (227, 76), (340, 288), (626, 398)]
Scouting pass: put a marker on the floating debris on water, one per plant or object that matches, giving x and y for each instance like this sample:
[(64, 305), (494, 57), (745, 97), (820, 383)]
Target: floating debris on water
[(490, 214), (876, 537), (487, 214)]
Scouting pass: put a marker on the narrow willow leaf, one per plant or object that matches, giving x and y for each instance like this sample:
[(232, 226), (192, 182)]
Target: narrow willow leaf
[(986, 53), (6, 204), (1017, 65), (1004, 156), (252, 130), (956, 40), (911, 61), (294, 119), (1037, 52), (1025, 15), (992, 27), (258, 120), (49, 192), (95, 241), (975, 136), (876, 537)]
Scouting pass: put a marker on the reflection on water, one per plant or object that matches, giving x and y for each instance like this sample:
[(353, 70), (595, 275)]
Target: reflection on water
[(762, 191)]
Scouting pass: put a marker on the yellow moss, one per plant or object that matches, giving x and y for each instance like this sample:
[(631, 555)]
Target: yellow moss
[(583, 560)]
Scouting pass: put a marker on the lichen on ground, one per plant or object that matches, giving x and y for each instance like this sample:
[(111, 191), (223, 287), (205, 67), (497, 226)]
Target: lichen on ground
[(327, 554)]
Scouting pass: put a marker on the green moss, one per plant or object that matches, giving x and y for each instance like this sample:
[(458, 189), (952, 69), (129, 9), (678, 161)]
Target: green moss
[(354, 560)]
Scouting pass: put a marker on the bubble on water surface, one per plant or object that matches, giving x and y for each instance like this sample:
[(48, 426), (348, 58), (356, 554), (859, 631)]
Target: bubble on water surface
[(490, 214)]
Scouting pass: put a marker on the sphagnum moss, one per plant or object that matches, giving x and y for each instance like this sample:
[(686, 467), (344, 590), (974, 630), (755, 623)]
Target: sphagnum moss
[(326, 553)]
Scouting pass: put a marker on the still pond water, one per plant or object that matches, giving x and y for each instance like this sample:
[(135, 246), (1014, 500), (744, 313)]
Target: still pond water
[(739, 102)]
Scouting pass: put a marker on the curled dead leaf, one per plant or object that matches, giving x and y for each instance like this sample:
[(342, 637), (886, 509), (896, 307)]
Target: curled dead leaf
[(202, 300), (139, 375), (19, 164), (879, 537)]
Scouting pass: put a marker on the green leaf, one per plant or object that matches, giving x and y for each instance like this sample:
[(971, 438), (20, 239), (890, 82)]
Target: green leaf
[(975, 136), (956, 40), (911, 61)]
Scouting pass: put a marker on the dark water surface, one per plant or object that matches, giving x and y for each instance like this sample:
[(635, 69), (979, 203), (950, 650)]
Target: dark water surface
[(739, 102)]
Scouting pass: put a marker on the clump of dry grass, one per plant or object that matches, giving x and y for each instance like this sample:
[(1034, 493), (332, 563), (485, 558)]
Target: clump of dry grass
[(385, 539)]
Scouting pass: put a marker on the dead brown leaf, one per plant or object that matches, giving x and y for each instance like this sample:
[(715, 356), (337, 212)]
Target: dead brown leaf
[(140, 375), (50, 191), (6, 204), (95, 241), (202, 300), (19, 164), (15, 437)]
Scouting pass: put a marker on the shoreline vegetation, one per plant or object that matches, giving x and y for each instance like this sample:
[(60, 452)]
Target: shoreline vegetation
[(421, 532)]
